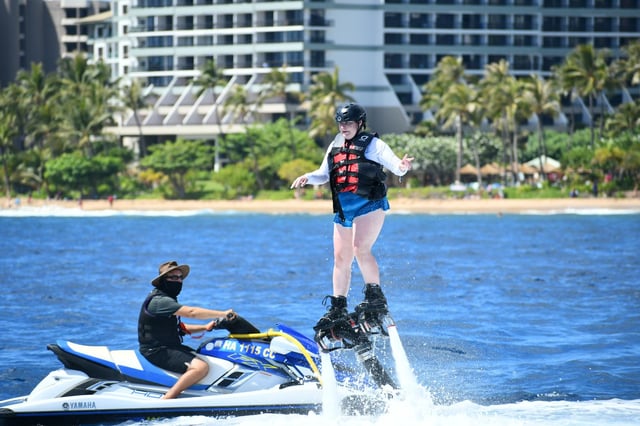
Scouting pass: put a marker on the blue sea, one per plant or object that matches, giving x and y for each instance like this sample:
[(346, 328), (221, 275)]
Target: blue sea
[(514, 319)]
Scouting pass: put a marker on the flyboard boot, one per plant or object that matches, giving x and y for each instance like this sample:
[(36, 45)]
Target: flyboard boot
[(337, 328), (373, 313)]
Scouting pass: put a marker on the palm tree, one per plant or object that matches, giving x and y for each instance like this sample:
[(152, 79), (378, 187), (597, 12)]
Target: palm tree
[(544, 100), (237, 105), (495, 90), (325, 94), (276, 86), (506, 105), (212, 77), (632, 63), (453, 100), (625, 119), (459, 105), (133, 98), (8, 131), (86, 116), (585, 70), (37, 116), (448, 71), (87, 94)]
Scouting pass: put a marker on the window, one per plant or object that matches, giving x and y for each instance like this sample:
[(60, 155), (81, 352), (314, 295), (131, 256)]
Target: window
[(471, 21), (553, 42), (316, 36), (553, 23), (317, 58), (522, 62), (603, 42), (524, 22), (393, 60), (471, 40), (393, 38), (577, 24), (497, 22), (418, 61), (418, 20), (472, 61), (419, 39), (601, 25), (445, 20), (628, 25), (497, 40), (392, 20), (629, 4), (446, 39)]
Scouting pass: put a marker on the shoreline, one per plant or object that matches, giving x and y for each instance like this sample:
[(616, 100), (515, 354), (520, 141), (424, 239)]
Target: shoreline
[(398, 205)]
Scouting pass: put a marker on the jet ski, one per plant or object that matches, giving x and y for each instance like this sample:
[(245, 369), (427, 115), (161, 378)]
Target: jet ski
[(250, 372)]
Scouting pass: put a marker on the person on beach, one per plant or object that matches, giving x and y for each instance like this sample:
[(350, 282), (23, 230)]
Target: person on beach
[(160, 329), (353, 165)]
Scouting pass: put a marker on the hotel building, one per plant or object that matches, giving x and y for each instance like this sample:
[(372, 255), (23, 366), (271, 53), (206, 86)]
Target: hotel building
[(386, 48)]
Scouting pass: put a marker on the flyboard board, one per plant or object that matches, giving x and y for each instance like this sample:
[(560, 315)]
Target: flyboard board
[(355, 333)]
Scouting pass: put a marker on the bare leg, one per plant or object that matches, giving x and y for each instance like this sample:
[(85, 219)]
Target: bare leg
[(197, 370), (366, 230), (342, 259)]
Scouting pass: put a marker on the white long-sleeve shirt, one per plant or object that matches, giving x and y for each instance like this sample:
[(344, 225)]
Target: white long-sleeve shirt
[(377, 151)]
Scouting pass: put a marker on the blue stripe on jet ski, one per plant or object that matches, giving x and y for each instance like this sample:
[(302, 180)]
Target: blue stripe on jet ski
[(88, 417), (64, 345), (152, 373)]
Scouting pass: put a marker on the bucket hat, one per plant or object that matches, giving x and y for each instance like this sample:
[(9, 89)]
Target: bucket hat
[(169, 266)]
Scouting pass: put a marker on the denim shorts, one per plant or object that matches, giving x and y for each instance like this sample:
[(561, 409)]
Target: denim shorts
[(355, 205)]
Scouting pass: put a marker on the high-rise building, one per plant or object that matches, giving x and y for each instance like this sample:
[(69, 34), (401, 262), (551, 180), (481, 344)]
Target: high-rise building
[(387, 48), (42, 31)]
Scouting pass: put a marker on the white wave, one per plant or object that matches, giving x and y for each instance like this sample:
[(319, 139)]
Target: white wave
[(584, 212), (56, 211), (531, 212), (539, 413), (413, 406)]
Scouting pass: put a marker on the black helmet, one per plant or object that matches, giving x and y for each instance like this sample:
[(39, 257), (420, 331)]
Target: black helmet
[(351, 112)]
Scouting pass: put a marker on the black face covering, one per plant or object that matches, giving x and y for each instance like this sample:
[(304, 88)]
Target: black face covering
[(170, 288)]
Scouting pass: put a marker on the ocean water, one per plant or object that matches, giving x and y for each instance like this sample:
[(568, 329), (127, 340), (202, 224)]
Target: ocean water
[(523, 319)]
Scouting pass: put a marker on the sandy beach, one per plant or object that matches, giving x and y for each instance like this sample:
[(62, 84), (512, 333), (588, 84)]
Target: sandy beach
[(408, 205)]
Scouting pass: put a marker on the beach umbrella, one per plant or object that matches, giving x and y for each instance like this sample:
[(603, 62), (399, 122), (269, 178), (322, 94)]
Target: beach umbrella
[(549, 168), (489, 169), (468, 169), (527, 169), (548, 163)]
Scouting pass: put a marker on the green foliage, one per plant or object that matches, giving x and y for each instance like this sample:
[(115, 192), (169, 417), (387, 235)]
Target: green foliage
[(557, 144), (577, 157), (265, 148), (294, 168), (129, 186), (326, 92), (435, 157), (175, 160), (235, 181), (530, 191), (73, 173), (46, 119)]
